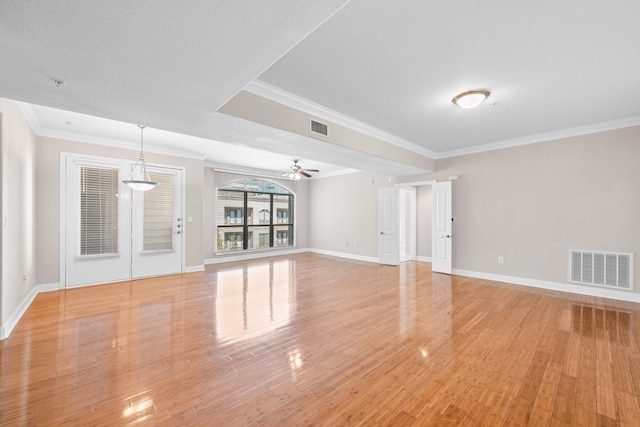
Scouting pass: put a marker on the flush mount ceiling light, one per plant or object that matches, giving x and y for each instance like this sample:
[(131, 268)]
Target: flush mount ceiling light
[(471, 98), (143, 181)]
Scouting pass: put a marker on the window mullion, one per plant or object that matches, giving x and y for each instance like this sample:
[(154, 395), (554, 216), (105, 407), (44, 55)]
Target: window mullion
[(291, 213), (270, 220), (245, 229)]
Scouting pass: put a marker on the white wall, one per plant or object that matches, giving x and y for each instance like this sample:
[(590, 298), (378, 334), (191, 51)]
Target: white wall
[(532, 204), (343, 213), (18, 212), (48, 200), (214, 180)]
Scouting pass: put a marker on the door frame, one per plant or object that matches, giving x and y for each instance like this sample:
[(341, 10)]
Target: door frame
[(62, 175), (431, 184), (416, 184), (409, 210)]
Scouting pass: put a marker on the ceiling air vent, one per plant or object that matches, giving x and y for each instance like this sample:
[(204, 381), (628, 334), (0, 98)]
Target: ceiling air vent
[(611, 270), (319, 128)]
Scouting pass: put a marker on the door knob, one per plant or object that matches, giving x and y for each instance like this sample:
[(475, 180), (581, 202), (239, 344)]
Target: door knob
[(382, 232)]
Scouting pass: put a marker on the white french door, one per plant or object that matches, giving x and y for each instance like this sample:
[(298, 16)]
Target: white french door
[(157, 226), (96, 223), (111, 233)]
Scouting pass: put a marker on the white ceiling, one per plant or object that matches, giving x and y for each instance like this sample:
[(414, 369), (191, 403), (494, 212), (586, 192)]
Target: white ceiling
[(554, 69), (550, 66)]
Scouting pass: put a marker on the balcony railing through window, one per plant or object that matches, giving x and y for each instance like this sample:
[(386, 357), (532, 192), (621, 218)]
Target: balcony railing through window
[(254, 215)]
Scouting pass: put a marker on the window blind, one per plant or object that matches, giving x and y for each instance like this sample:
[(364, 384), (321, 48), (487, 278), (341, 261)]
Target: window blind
[(158, 214), (98, 211)]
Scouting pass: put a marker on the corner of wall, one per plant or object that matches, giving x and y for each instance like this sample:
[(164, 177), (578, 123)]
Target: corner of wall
[(18, 145)]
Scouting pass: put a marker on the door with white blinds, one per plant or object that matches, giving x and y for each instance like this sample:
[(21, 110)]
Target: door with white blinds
[(157, 226), (96, 223), (112, 233)]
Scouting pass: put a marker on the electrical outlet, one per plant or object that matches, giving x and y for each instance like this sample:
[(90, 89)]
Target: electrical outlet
[(500, 260)]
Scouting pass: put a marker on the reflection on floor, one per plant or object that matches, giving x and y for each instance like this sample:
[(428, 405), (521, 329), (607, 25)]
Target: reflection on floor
[(314, 340)]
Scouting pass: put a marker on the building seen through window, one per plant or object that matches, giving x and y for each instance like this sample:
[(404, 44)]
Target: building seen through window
[(239, 229)]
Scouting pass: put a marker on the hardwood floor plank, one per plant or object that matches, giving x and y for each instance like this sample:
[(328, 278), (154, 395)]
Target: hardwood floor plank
[(313, 340)]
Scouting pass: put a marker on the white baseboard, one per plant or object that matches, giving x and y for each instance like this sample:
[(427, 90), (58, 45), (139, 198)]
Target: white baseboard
[(423, 258), (252, 255), (194, 268), (48, 287), (553, 286), (345, 255), (6, 329)]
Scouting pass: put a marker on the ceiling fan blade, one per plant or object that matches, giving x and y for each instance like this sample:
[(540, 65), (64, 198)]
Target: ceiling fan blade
[(311, 170), (303, 173)]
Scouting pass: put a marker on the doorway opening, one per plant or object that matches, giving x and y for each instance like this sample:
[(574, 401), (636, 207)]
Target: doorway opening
[(432, 232)]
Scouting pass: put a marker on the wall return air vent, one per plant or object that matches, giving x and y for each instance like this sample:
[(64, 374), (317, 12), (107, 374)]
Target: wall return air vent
[(319, 128), (606, 269)]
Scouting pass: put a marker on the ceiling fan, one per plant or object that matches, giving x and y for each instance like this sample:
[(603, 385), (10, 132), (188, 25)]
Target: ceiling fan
[(296, 171)]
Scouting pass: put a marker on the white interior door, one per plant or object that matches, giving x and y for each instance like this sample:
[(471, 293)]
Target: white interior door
[(111, 233), (388, 220), (157, 226), (96, 222), (442, 225)]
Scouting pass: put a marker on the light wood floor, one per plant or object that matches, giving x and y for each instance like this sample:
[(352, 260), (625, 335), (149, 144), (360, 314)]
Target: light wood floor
[(315, 340)]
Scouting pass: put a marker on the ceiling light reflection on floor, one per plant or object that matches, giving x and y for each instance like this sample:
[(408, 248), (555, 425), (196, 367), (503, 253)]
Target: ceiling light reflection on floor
[(135, 409), (295, 359)]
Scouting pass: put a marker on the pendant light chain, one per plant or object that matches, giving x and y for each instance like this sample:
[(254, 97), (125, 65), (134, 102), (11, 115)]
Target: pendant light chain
[(141, 141), (143, 165), (145, 182)]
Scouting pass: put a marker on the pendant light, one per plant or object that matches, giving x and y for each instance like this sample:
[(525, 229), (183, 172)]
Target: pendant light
[(144, 183)]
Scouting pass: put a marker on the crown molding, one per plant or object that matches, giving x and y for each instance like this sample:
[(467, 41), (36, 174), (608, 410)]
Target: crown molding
[(275, 94), (39, 130), (265, 90), (542, 137)]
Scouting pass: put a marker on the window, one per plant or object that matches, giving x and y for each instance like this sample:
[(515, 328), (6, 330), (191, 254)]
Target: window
[(232, 240), (158, 214), (282, 216), (233, 215), (98, 211), (283, 238), (236, 231), (265, 217)]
